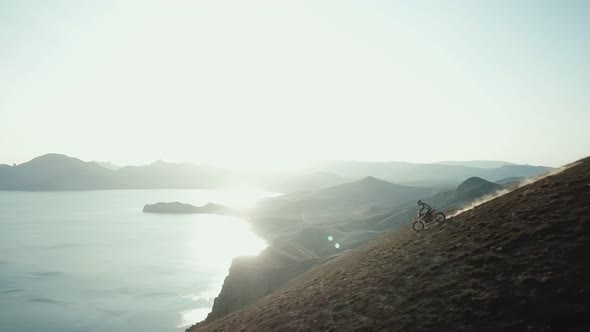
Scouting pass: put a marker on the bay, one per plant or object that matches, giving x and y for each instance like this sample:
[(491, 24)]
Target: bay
[(93, 261)]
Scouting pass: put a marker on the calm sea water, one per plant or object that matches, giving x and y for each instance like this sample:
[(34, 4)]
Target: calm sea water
[(93, 261)]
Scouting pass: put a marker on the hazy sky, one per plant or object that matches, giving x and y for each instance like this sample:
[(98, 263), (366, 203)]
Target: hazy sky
[(268, 82)]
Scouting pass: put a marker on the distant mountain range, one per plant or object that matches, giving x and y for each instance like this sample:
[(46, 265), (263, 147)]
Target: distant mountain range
[(60, 172), (55, 172), (403, 172), (477, 163)]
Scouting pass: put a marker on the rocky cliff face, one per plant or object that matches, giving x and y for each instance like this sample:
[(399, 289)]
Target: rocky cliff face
[(247, 281)]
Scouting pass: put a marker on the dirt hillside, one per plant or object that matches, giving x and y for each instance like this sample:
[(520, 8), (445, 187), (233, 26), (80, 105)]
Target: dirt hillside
[(520, 262)]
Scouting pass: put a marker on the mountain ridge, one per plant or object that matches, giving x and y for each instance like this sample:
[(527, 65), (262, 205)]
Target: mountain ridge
[(399, 172), (60, 172), (477, 163)]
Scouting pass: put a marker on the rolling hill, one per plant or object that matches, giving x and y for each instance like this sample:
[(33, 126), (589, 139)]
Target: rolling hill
[(59, 172), (55, 172), (510, 180), (470, 190), (342, 200), (467, 192)]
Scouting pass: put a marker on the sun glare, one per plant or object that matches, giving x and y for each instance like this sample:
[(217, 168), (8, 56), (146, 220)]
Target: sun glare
[(222, 238)]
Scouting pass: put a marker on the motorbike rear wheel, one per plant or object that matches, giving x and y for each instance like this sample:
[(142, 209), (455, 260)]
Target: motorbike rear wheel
[(440, 217)]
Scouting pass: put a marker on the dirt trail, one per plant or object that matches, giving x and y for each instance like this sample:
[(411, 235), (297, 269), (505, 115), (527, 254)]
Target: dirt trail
[(518, 262)]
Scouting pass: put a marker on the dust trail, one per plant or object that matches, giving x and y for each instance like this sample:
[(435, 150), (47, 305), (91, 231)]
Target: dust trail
[(523, 183), (482, 200)]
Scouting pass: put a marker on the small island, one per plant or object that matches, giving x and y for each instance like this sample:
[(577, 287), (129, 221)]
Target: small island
[(182, 208)]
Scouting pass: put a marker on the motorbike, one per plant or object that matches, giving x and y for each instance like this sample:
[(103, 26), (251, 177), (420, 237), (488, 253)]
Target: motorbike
[(419, 222)]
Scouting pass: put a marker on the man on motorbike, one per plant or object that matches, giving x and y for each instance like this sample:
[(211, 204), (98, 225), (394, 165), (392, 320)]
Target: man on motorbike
[(425, 210)]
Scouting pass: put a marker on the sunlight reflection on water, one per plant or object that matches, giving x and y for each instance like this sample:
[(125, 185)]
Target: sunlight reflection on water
[(216, 242), (191, 317), (213, 245), (237, 196)]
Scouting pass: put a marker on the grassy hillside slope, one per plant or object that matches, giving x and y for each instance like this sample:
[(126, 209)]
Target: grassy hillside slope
[(518, 262)]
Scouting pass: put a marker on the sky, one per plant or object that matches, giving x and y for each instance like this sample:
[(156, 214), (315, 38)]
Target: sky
[(272, 83)]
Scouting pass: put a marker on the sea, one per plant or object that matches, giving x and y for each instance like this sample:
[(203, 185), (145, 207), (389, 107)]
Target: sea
[(93, 261)]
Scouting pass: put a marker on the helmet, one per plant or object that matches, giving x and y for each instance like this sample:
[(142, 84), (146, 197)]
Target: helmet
[(419, 202)]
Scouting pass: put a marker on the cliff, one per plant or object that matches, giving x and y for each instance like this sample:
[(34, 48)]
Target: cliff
[(247, 281)]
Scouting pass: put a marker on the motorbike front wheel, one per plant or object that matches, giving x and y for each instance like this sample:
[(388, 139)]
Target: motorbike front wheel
[(440, 217)]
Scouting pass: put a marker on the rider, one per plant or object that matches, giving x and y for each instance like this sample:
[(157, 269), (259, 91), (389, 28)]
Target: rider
[(425, 210)]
